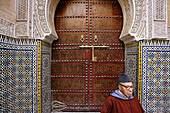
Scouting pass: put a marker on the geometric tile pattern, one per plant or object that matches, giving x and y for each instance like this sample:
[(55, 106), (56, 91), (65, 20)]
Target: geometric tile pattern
[(45, 78), (131, 64), (18, 77), (132, 69), (155, 78)]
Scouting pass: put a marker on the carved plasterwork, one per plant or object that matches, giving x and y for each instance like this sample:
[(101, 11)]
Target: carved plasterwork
[(168, 33), (42, 15), (160, 22), (21, 29), (139, 5), (141, 11), (41, 4), (7, 27), (141, 20), (30, 18), (21, 10), (159, 9), (36, 31), (128, 15), (134, 13), (160, 30), (52, 4), (149, 18), (134, 19)]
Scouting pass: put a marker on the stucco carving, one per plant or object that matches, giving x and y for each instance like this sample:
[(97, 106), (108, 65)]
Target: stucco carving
[(7, 27), (168, 33), (138, 15), (21, 8), (21, 29), (149, 18), (45, 9), (128, 15), (52, 4), (42, 16), (142, 32), (36, 31), (30, 18), (42, 19), (160, 22), (134, 12), (159, 8), (160, 30)]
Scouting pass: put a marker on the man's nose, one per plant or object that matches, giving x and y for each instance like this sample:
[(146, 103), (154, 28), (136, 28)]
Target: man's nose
[(130, 89)]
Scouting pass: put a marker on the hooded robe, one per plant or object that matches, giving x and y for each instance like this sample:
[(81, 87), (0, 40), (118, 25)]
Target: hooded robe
[(118, 103)]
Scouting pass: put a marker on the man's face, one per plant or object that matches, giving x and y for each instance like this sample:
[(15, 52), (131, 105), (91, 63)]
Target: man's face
[(126, 88)]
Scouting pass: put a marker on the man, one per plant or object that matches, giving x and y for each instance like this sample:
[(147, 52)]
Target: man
[(122, 100)]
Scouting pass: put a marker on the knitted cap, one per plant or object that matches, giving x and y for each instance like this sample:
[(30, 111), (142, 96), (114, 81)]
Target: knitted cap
[(123, 78)]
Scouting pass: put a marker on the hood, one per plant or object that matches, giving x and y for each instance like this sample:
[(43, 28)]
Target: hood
[(119, 95)]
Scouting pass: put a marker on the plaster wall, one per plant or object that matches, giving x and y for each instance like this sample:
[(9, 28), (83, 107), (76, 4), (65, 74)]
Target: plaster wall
[(7, 10)]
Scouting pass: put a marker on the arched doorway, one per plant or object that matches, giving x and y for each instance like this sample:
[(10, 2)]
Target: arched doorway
[(88, 56)]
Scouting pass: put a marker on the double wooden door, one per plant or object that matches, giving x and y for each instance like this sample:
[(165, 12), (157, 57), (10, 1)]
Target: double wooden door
[(88, 56)]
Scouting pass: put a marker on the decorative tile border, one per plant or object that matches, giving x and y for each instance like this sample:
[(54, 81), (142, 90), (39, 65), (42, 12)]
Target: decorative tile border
[(140, 71), (39, 76)]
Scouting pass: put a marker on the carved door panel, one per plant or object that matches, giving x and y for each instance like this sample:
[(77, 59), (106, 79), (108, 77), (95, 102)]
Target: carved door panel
[(88, 56)]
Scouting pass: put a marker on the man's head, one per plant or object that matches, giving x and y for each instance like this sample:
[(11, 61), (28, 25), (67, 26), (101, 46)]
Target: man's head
[(125, 85)]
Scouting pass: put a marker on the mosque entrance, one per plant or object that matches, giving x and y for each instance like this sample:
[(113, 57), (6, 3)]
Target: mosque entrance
[(88, 56)]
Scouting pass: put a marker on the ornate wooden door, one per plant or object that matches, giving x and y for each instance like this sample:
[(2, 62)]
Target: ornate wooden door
[(88, 56)]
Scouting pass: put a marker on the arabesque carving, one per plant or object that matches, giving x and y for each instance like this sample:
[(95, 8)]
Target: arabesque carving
[(21, 8), (42, 20), (21, 29), (7, 27), (134, 20)]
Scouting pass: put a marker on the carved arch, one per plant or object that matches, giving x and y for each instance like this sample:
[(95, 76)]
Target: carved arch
[(128, 18), (133, 19), (44, 19)]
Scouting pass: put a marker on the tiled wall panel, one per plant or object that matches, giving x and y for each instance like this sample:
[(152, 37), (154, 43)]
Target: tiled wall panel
[(18, 76), (46, 77), (155, 76)]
